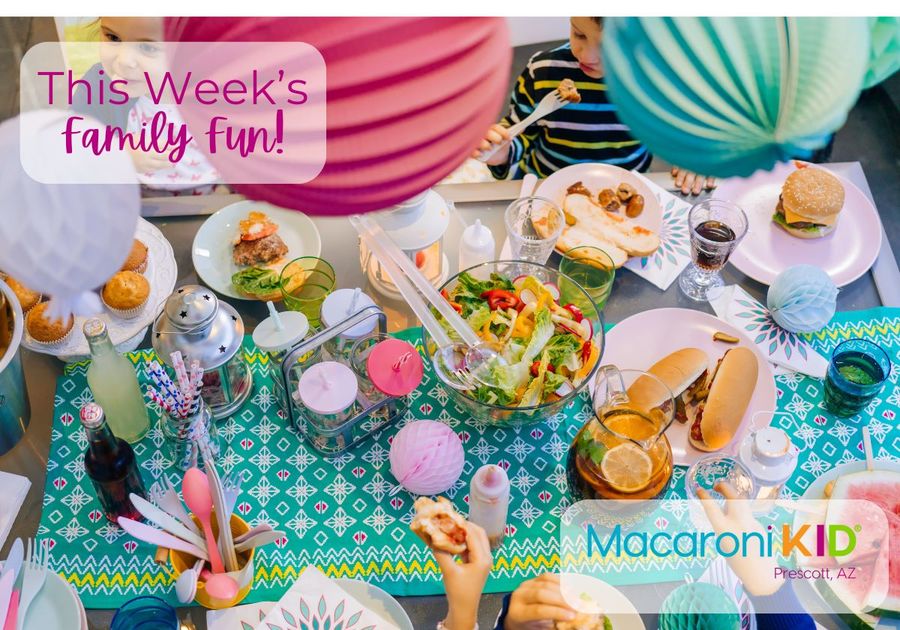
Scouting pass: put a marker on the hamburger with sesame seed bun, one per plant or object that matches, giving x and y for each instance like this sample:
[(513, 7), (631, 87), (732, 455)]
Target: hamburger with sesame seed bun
[(810, 202)]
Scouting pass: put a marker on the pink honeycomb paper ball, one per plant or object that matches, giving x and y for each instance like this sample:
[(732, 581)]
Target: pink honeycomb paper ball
[(427, 457)]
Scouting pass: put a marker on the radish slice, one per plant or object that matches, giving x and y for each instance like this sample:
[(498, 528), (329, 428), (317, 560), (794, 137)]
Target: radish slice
[(565, 389), (587, 328), (517, 281), (553, 289), (571, 327), (528, 297)]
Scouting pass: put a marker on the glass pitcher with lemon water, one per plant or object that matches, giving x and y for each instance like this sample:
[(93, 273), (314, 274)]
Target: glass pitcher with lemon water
[(622, 451)]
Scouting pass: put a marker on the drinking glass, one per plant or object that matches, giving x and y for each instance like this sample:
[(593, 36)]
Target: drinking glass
[(305, 283), (856, 373), (716, 227), (590, 267), (533, 225), (145, 613)]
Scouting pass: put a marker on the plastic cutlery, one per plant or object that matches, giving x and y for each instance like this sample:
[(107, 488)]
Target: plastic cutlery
[(186, 584), (547, 105), (226, 543), (13, 566), (231, 488), (253, 531), (197, 496), (166, 521), (164, 495), (161, 538), (6, 586), (35, 570), (259, 540)]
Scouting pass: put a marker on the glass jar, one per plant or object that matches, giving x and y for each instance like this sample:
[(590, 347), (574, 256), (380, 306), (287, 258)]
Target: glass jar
[(277, 335), (191, 439), (336, 308)]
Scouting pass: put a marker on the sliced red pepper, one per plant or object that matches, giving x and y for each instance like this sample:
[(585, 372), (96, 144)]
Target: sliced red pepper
[(446, 296), (499, 298), (536, 368), (586, 352), (576, 312)]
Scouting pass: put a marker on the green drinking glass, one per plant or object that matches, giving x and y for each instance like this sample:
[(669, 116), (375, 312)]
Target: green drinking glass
[(592, 269)]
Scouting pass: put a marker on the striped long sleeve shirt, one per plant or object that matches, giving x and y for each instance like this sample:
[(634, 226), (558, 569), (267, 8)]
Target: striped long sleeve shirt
[(588, 131)]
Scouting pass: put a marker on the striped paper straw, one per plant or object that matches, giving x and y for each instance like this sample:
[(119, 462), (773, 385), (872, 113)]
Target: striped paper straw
[(156, 397), (184, 382)]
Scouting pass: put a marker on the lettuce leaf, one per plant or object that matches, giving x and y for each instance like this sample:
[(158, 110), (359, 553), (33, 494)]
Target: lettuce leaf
[(543, 331), (561, 347), (479, 316), (552, 382)]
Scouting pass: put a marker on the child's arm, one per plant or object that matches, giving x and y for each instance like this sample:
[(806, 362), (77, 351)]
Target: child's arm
[(521, 104), (464, 582)]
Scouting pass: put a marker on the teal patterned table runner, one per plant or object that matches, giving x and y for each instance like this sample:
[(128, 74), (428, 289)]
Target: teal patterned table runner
[(339, 512)]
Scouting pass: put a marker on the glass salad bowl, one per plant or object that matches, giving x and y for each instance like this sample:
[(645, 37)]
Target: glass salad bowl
[(545, 326)]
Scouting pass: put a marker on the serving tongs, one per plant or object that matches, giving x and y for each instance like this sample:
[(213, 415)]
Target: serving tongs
[(460, 365)]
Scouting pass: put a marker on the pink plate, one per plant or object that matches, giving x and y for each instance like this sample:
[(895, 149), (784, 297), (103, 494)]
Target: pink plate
[(641, 340), (767, 250)]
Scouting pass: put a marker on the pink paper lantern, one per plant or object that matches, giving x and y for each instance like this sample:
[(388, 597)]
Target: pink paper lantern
[(408, 99), (426, 457)]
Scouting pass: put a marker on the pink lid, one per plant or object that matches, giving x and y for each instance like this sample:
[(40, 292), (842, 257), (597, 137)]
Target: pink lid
[(394, 367), (328, 387)]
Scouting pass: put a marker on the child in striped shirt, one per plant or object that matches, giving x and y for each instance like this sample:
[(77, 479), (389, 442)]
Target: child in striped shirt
[(587, 131)]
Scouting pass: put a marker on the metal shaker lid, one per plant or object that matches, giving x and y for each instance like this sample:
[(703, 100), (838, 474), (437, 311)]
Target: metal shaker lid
[(200, 326)]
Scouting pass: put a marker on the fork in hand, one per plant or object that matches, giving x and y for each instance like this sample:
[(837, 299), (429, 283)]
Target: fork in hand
[(549, 104)]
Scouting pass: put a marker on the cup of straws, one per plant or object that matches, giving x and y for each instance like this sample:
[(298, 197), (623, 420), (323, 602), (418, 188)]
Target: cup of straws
[(187, 423)]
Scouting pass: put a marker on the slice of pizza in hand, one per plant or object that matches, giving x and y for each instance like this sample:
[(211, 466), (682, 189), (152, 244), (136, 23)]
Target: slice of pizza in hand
[(439, 525)]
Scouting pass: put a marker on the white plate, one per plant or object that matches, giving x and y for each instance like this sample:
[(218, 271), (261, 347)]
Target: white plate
[(767, 250), (597, 177), (807, 593), (212, 249), (816, 489), (55, 607), (622, 613), (378, 601), (126, 334), (641, 340)]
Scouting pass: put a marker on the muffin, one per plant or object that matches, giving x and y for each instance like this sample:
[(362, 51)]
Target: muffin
[(46, 330), (28, 299), (137, 258), (126, 293)]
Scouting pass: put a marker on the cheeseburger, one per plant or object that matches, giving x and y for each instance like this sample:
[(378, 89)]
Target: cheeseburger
[(810, 201)]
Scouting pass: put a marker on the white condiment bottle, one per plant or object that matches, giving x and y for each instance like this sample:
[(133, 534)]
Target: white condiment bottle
[(476, 246), (771, 458), (489, 502)]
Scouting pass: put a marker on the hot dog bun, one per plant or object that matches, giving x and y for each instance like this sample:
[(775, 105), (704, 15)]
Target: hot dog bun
[(730, 390)]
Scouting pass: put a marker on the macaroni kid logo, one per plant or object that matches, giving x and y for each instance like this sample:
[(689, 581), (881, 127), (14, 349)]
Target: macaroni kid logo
[(833, 540)]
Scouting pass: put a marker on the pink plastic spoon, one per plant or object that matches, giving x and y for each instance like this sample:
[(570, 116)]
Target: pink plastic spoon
[(195, 489), (221, 587)]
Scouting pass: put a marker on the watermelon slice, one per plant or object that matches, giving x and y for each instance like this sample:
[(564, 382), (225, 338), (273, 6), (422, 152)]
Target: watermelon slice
[(876, 588)]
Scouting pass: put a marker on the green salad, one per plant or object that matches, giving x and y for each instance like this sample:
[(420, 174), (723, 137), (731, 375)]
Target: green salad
[(548, 347)]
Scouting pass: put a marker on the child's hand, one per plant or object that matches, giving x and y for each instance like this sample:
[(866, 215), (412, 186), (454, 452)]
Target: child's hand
[(755, 572), (537, 604), (464, 582), (691, 183), (496, 135), (149, 161)]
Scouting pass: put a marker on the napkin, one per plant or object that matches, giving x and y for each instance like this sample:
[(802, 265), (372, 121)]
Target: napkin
[(15, 487), (784, 349), (238, 618), (674, 251), (315, 601)]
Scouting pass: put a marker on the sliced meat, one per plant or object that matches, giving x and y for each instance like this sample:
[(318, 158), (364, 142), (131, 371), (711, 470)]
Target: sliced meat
[(259, 252)]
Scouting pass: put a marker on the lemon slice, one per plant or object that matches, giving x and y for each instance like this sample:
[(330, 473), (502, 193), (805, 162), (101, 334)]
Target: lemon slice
[(627, 468)]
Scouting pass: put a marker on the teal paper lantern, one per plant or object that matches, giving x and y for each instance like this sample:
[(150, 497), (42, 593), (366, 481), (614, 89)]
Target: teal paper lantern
[(728, 96), (802, 299), (884, 58), (699, 606)]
